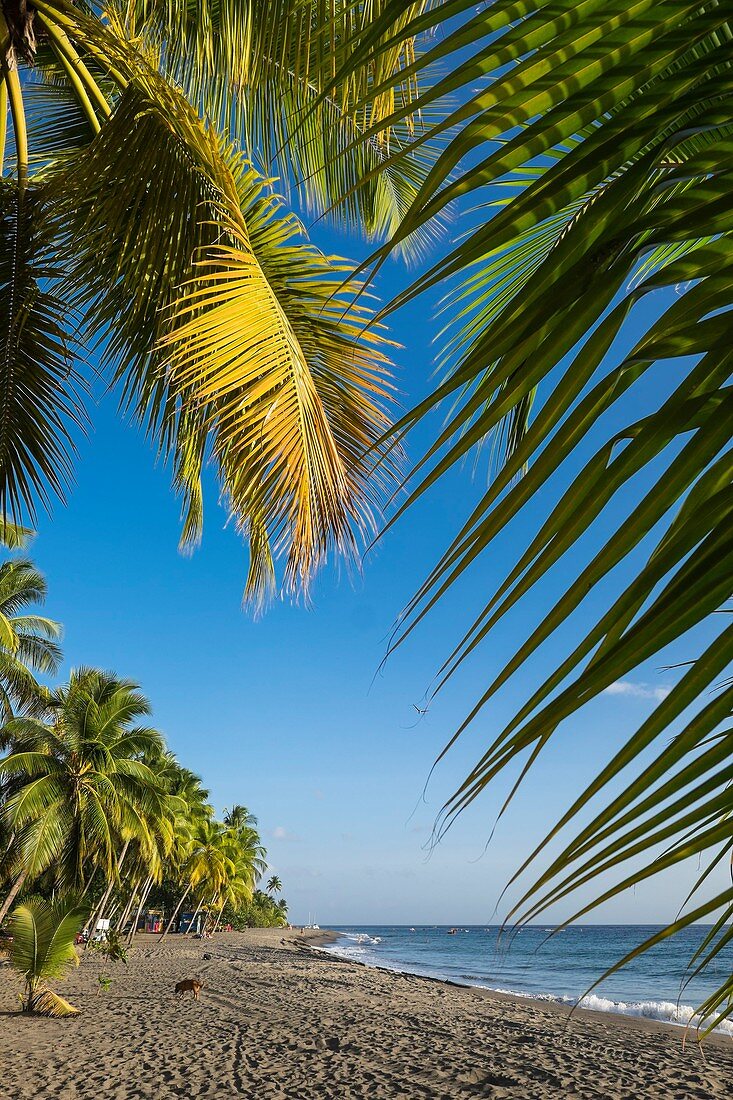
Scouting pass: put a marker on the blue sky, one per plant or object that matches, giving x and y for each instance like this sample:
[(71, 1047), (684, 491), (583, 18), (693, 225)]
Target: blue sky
[(290, 714)]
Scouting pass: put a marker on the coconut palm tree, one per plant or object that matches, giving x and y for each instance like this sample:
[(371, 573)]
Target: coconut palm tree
[(274, 885), (42, 948), (81, 790), (28, 641), (591, 142), (149, 856), (236, 892), (206, 864), (242, 832), (239, 817), (137, 212)]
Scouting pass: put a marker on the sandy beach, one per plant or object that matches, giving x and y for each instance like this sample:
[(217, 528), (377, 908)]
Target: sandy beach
[(280, 1020)]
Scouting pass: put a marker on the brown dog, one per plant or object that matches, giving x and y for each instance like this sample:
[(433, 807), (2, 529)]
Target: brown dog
[(190, 983)]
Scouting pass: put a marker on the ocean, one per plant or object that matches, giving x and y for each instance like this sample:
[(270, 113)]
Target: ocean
[(558, 968)]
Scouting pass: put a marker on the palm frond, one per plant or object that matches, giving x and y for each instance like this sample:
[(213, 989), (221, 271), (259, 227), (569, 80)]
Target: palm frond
[(260, 70), (599, 147), (261, 361), (48, 1003), (43, 937), (39, 387)]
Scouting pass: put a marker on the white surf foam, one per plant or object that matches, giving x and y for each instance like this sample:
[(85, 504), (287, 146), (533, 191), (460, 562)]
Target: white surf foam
[(667, 1012), (361, 937)]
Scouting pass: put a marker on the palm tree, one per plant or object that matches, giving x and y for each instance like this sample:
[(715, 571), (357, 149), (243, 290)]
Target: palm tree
[(242, 831), (28, 644), (239, 818), (591, 141), (206, 863), (274, 885), (28, 641), (137, 208), (80, 788), (42, 948), (149, 857)]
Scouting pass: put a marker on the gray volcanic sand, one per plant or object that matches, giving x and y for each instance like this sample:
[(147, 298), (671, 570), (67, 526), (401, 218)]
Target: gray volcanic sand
[(281, 1022)]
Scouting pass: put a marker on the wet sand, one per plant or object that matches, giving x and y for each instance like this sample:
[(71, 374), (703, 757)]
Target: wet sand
[(279, 1020)]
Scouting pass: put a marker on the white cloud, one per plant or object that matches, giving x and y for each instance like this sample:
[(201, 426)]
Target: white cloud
[(638, 691), (281, 833)]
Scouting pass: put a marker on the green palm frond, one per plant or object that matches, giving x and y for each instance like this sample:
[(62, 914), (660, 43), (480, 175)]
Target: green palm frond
[(43, 937), (28, 642), (296, 389), (14, 536), (43, 948), (39, 390), (598, 144)]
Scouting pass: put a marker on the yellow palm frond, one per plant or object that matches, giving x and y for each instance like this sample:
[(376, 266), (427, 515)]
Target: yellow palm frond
[(48, 1003), (237, 340), (269, 353)]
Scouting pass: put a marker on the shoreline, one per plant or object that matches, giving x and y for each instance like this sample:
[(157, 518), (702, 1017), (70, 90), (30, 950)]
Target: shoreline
[(278, 1020), (564, 1009)]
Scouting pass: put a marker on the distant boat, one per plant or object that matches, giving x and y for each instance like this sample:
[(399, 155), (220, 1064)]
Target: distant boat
[(452, 931)]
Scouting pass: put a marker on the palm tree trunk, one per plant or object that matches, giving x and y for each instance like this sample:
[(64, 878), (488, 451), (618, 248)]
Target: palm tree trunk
[(218, 918), (128, 908), (143, 898), (17, 885), (106, 895), (9, 845), (211, 903), (92, 924), (183, 897), (193, 919)]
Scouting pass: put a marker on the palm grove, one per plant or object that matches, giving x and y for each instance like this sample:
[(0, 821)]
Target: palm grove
[(94, 807), (586, 145)]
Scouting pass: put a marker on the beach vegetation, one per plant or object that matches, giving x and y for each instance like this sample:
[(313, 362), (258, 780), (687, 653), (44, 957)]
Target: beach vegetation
[(94, 806), (43, 949), (111, 946), (104, 983), (262, 911), (80, 792), (29, 642)]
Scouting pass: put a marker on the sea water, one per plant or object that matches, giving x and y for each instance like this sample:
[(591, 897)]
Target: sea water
[(561, 967)]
